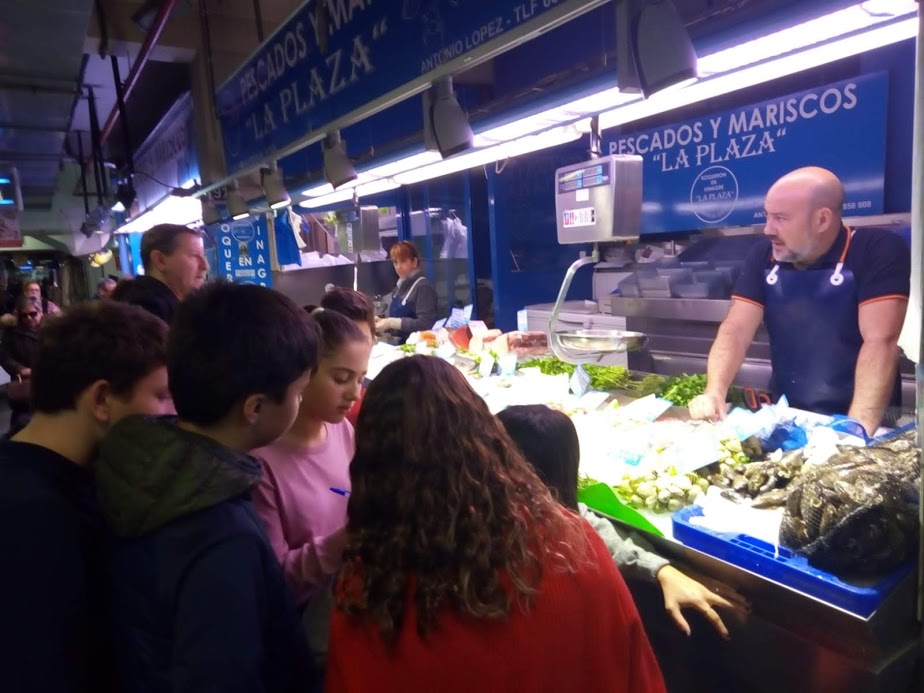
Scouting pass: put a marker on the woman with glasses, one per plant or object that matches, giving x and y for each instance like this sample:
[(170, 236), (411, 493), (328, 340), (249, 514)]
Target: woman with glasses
[(17, 351)]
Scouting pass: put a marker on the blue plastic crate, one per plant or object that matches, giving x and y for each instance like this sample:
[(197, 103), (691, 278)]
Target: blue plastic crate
[(786, 567)]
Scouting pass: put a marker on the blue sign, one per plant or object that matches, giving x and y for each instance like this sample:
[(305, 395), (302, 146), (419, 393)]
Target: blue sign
[(716, 170), (323, 66), (243, 251)]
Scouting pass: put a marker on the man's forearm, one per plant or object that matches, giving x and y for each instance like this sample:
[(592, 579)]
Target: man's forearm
[(725, 358), (873, 383)]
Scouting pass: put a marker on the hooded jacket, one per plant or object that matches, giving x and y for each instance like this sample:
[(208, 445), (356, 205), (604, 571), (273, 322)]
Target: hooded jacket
[(198, 599), (149, 293)]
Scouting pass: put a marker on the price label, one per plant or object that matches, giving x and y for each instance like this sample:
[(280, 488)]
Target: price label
[(486, 367), (580, 381), (574, 218)]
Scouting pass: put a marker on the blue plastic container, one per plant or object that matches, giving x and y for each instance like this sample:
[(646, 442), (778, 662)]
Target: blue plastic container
[(788, 568)]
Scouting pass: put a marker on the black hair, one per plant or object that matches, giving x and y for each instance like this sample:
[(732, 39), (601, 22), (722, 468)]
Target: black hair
[(336, 330), (163, 238), (231, 341), (87, 342), (549, 441), (357, 306)]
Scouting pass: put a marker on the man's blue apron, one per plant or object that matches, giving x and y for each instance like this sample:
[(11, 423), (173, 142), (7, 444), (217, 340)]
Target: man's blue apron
[(812, 318), (399, 308)]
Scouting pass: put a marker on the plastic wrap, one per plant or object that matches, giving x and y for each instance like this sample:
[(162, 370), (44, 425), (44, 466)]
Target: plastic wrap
[(857, 513)]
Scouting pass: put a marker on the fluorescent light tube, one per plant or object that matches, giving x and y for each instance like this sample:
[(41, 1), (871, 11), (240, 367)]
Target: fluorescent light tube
[(372, 188), (763, 72)]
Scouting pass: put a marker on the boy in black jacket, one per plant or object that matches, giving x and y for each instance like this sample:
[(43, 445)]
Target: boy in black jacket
[(94, 364), (199, 600)]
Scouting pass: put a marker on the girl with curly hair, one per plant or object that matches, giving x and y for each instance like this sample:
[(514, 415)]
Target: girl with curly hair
[(461, 572)]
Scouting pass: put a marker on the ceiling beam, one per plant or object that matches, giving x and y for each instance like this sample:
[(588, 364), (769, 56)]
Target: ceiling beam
[(23, 127)]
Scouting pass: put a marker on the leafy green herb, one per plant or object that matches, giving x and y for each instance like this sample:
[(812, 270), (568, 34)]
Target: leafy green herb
[(602, 378), (408, 348), (682, 389)]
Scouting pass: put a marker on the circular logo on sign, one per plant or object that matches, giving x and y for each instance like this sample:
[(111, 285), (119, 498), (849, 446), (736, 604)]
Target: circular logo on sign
[(243, 231), (714, 194)]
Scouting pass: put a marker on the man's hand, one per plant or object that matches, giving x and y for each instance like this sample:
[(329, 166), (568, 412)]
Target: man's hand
[(386, 324), (25, 373), (709, 406)]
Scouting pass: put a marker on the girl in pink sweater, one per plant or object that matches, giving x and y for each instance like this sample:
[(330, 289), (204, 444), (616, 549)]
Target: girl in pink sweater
[(304, 516)]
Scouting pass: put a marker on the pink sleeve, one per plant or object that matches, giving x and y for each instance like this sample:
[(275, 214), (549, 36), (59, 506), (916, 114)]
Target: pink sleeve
[(305, 567), (266, 502)]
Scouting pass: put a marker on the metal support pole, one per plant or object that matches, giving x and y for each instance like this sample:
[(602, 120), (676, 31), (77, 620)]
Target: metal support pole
[(83, 174), (917, 275), (120, 103), (99, 170)]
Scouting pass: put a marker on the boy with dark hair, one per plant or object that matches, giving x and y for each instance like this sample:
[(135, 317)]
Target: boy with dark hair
[(94, 364), (200, 603)]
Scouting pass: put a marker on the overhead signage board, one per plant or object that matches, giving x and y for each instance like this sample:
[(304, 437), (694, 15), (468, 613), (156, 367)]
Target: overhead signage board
[(168, 157), (715, 171), (243, 251), (334, 62)]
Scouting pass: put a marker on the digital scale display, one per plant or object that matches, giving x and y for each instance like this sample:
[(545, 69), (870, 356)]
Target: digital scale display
[(590, 177)]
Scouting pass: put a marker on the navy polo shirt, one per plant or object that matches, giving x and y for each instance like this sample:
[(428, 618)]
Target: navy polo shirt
[(879, 259)]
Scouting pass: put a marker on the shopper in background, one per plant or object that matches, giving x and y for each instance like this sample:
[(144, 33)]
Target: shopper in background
[(105, 287), (94, 365), (360, 309), (17, 356), (461, 572), (549, 441), (413, 306), (355, 305), (302, 498), (199, 600), (33, 288), (174, 266)]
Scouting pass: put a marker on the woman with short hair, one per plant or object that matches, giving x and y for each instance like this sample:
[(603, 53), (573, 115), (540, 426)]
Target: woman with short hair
[(413, 306)]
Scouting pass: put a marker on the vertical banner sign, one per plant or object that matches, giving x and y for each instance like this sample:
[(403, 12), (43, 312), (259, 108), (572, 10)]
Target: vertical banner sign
[(333, 58), (715, 171), (243, 251)]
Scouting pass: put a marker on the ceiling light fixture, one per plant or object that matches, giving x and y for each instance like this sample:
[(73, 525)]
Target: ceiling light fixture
[(237, 205), (274, 187), (654, 50), (338, 169), (125, 195), (210, 212), (446, 127), (363, 190), (775, 68)]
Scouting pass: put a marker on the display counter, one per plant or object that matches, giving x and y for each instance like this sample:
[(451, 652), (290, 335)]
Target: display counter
[(790, 642)]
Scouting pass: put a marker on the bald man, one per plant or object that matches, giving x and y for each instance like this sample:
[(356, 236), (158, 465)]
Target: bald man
[(833, 300)]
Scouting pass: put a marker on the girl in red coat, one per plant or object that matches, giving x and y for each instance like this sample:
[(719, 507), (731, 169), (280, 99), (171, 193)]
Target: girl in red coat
[(461, 572)]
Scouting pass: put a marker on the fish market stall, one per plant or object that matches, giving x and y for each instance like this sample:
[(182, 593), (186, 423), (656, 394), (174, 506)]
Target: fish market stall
[(714, 500)]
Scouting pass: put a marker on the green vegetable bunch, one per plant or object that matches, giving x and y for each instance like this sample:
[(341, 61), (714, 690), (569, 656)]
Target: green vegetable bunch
[(602, 378), (680, 390)]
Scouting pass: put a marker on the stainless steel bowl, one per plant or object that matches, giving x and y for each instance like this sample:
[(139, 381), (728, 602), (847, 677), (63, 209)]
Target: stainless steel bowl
[(603, 341)]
